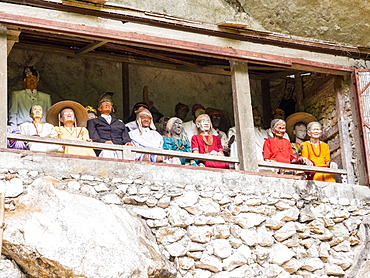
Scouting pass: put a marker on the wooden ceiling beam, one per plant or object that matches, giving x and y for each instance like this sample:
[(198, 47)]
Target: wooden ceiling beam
[(90, 47)]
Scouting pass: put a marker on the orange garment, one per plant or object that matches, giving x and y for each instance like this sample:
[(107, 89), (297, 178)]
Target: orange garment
[(320, 155)]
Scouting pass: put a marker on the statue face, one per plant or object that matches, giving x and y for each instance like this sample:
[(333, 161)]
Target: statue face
[(176, 128), (67, 116), (31, 82), (216, 120), (36, 112), (145, 121), (181, 113), (279, 130), (204, 125), (106, 108), (315, 131), (300, 131)]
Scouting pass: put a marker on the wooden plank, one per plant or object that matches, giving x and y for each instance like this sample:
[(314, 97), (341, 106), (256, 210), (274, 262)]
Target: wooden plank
[(330, 132), (13, 37), (334, 144), (343, 126), (318, 91), (242, 102), (3, 85), (121, 148), (298, 91), (126, 91), (298, 167), (266, 102), (90, 47), (158, 42)]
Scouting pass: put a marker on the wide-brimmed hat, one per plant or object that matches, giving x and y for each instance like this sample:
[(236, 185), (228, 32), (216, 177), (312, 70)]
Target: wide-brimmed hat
[(291, 121), (52, 117)]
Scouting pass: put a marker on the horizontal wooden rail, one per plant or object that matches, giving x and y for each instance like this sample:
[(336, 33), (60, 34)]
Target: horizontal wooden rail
[(129, 153), (299, 167)]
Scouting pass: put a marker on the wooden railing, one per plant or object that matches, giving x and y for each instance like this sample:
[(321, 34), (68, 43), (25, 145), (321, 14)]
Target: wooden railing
[(129, 153)]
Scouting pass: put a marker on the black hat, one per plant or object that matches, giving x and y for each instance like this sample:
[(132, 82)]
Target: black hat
[(105, 97)]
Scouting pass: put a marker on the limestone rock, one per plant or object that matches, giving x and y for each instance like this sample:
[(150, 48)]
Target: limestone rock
[(201, 234), (13, 188), (210, 263), (280, 254), (179, 217), (8, 269), (249, 220), (312, 264), (240, 257), (288, 230), (72, 235), (317, 226), (222, 248), (169, 235)]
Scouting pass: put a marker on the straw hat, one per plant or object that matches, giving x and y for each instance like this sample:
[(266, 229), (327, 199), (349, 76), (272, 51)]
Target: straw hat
[(296, 118), (52, 117)]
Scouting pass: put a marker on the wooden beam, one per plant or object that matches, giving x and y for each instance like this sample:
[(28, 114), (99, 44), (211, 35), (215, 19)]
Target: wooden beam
[(343, 126), (90, 47), (157, 56), (3, 85), (298, 91), (242, 102), (266, 102), (13, 37), (126, 91)]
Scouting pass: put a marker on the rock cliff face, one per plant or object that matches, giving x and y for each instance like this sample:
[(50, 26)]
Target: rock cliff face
[(332, 20), (130, 219), (52, 233)]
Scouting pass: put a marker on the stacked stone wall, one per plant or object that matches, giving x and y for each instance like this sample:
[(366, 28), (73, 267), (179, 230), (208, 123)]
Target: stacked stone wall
[(223, 223)]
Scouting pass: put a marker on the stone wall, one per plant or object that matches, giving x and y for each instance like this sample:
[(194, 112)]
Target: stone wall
[(219, 223)]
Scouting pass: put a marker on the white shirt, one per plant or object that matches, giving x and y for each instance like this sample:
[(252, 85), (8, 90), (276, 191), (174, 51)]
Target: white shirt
[(21, 103), (42, 130)]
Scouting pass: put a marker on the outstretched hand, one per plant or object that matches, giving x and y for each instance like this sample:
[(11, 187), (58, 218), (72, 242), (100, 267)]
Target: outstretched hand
[(305, 161)]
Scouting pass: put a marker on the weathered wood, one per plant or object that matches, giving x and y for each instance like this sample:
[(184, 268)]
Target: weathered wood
[(318, 91), (158, 42), (334, 144), (266, 102), (343, 126), (3, 85), (90, 47), (13, 37), (121, 148), (242, 102), (126, 91), (298, 167), (298, 91), (330, 132)]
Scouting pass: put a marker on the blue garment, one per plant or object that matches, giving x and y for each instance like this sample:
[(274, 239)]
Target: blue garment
[(169, 143)]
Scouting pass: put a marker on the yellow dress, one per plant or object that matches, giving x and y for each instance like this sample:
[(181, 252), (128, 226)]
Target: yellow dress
[(320, 155), (77, 133)]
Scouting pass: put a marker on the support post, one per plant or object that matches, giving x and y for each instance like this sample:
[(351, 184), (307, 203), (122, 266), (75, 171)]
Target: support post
[(126, 91), (2, 211), (345, 143), (3, 85), (242, 102), (298, 88), (266, 102)]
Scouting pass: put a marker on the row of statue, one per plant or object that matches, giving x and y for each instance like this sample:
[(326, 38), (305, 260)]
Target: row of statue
[(70, 120)]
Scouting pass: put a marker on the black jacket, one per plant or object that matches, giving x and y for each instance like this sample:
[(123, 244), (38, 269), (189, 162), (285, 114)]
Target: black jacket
[(100, 131)]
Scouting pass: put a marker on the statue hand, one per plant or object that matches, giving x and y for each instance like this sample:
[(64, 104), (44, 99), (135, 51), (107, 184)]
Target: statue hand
[(306, 161), (333, 165)]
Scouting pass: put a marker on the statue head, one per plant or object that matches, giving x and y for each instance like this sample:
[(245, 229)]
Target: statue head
[(314, 130), (174, 127), (181, 110), (203, 123), (36, 112), (67, 116), (300, 131), (278, 128), (31, 78)]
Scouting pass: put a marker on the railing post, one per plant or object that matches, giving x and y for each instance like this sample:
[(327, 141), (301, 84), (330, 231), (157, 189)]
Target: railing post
[(3, 85), (242, 102)]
